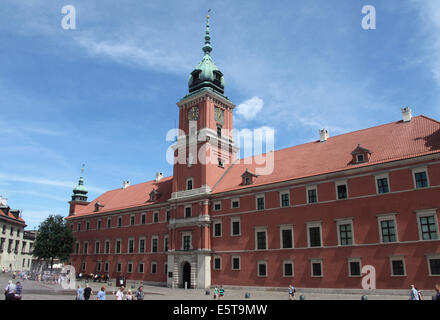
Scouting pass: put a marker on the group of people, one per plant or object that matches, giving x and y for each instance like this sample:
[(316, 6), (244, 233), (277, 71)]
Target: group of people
[(219, 292), (87, 292), (416, 294), (13, 291)]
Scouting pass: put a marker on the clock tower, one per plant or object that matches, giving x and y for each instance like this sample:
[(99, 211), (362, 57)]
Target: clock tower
[(202, 153)]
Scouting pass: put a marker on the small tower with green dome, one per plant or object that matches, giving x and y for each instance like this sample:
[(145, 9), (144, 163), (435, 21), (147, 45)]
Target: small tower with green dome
[(79, 196)]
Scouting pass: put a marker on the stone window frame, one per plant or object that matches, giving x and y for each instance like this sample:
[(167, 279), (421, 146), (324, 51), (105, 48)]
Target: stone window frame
[(118, 240), (219, 258), (354, 259), (214, 223), (85, 247), (129, 263), (260, 196), (232, 263), (419, 170), (97, 242), (286, 227), (109, 246), (314, 224), (189, 179), (425, 213), (189, 206), (386, 217), (153, 263), (312, 187), (154, 237), (166, 243), (156, 218), (235, 200), (312, 262), (344, 221), (141, 263), (256, 231), (260, 262), (235, 219), (284, 192), (284, 269), (428, 258), (379, 177), (397, 258), (219, 202), (145, 245), (337, 184), (186, 234), (128, 245)]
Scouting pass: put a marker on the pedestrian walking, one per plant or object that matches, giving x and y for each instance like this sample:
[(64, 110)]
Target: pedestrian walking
[(101, 294), (414, 295), (215, 292), (18, 290), (221, 292), (87, 292), (10, 291), (80, 293), (129, 295), (120, 293), (292, 291), (437, 292), (140, 293)]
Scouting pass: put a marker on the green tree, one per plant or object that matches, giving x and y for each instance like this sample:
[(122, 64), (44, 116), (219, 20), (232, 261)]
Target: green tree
[(54, 240)]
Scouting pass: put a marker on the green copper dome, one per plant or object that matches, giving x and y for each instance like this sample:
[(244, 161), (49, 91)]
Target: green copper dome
[(207, 74), (80, 191)]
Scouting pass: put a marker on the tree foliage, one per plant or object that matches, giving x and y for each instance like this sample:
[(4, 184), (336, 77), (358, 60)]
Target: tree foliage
[(54, 240)]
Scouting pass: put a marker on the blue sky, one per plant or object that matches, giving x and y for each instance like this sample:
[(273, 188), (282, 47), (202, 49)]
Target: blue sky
[(105, 94)]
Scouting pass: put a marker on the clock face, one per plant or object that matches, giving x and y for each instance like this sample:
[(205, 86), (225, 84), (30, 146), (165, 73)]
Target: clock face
[(219, 115), (193, 113)]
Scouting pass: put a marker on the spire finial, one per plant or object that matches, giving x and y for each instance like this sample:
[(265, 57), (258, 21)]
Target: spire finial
[(207, 48)]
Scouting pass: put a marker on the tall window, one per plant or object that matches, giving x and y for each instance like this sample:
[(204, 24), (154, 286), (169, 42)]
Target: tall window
[(286, 238), (141, 245), (354, 266), (428, 227), (261, 240), (388, 231), (132, 220), (421, 179), (236, 263), (342, 191), (143, 218), (119, 221), (235, 227), (316, 265), (156, 217), (86, 247), (434, 265), (97, 245), (99, 225), (118, 246), (345, 234), (397, 266), (260, 203), (314, 236), (382, 185), (154, 244), (217, 229), (109, 223), (130, 245), (186, 242), (285, 201), (107, 246), (312, 195), (262, 269), (287, 268), (187, 212), (189, 184)]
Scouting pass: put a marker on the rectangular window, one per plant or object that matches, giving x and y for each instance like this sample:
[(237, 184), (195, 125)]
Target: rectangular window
[(354, 267), (217, 263), (260, 203), (345, 234), (78, 226), (428, 227), (132, 220), (130, 246), (168, 215), (118, 246), (288, 269), (262, 269), (130, 267), (109, 223), (86, 247), (156, 217), (235, 263), (119, 221), (189, 184), (141, 268), (76, 246), (165, 245), (235, 203), (312, 195), (397, 267), (286, 238), (235, 228), (285, 201), (98, 266), (83, 266), (141, 245), (217, 229), (315, 236), (316, 268), (434, 266), (217, 206), (153, 267), (421, 179), (97, 245), (143, 218), (382, 185), (154, 243), (342, 192), (119, 267), (187, 212), (87, 226), (106, 267), (186, 243), (261, 240), (99, 225), (107, 246), (388, 231)]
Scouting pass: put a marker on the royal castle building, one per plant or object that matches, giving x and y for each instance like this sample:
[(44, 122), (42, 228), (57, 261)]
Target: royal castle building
[(324, 211)]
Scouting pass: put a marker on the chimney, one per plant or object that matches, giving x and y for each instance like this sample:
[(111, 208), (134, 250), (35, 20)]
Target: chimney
[(159, 176), (406, 114), (3, 202), (125, 184), (323, 135)]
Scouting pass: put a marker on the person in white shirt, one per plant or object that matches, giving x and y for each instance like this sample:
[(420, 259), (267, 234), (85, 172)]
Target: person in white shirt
[(120, 293), (10, 291)]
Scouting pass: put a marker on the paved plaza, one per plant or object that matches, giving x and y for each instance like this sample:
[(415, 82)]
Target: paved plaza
[(33, 290)]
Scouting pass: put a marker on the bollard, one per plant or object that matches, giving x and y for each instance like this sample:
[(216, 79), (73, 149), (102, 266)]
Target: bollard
[(364, 298), (302, 297), (247, 295)]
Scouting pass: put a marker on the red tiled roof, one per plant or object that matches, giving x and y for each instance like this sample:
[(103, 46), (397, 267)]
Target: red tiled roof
[(389, 142), (132, 196), (6, 212)]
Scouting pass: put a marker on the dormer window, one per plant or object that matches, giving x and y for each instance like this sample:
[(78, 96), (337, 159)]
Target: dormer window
[(154, 195), (248, 177), (360, 155), (196, 75), (98, 206)]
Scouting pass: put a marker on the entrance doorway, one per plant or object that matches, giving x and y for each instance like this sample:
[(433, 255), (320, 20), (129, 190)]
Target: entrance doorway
[(186, 275)]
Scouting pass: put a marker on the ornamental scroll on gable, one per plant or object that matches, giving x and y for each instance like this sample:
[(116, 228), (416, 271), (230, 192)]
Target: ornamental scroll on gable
[(360, 155), (248, 177)]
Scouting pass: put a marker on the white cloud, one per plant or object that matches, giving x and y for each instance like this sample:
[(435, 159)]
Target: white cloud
[(249, 108)]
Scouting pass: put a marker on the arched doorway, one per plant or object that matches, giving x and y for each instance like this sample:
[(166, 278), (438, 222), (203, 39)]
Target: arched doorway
[(186, 275)]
